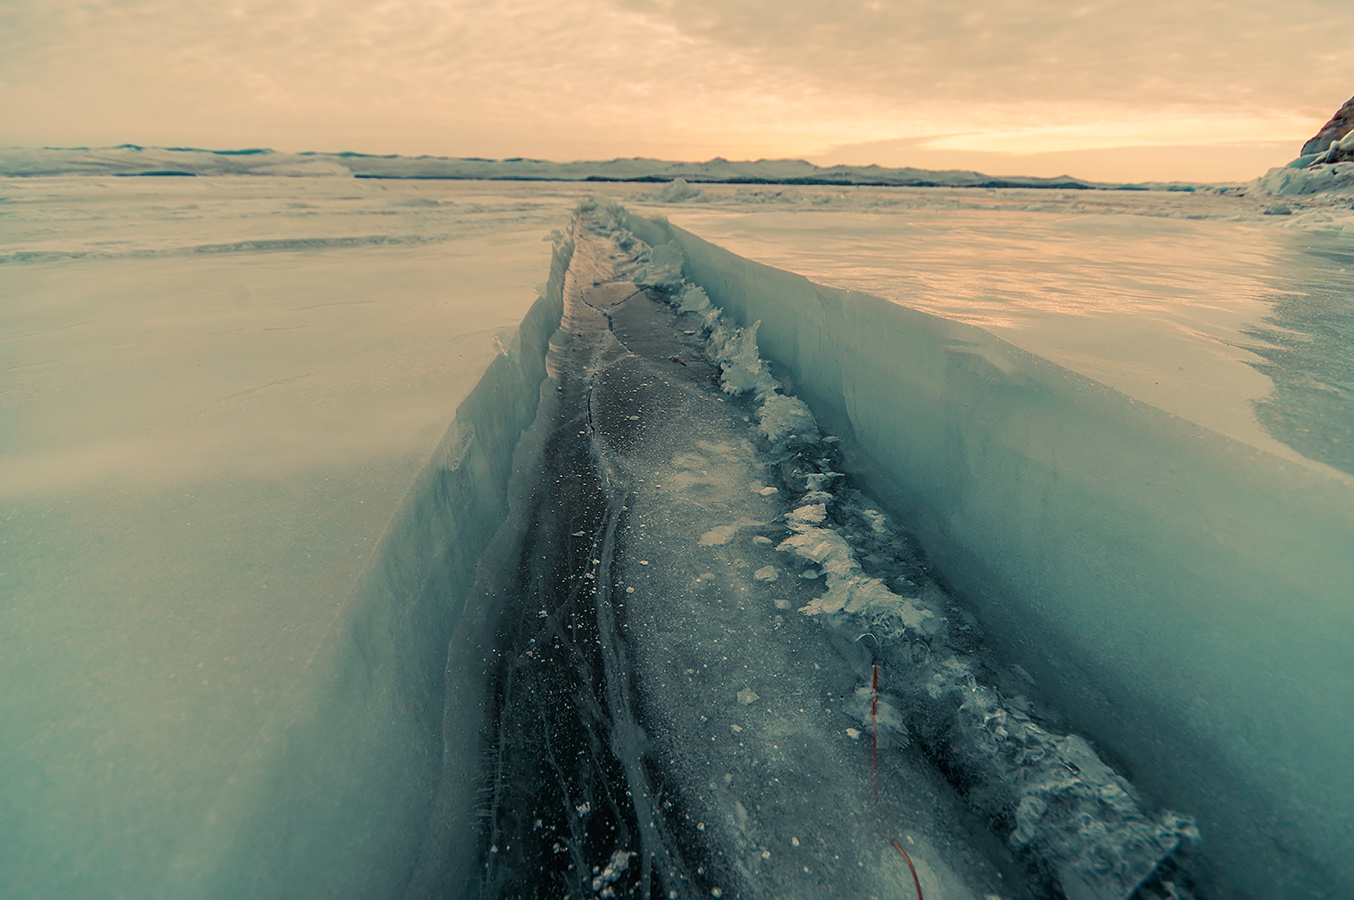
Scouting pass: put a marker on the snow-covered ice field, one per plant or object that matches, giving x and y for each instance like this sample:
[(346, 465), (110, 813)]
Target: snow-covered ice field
[(237, 492)]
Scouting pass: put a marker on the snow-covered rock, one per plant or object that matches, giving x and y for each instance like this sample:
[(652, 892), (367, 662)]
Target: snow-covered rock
[(1340, 125), (1325, 165)]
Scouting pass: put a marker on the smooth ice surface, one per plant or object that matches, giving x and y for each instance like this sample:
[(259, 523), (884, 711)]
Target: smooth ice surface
[(1186, 594), (1170, 298), (216, 396)]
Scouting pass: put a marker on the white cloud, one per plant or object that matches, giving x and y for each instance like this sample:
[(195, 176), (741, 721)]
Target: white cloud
[(679, 78), (1135, 129)]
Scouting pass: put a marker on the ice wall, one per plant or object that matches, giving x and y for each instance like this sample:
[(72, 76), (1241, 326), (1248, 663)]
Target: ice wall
[(1185, 597), (337, 801)]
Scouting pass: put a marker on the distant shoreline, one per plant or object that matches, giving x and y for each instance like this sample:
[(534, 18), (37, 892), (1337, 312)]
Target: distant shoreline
[(128, 160)]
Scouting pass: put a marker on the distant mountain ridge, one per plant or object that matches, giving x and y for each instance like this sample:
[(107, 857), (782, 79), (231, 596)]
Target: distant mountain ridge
[(131, 159)]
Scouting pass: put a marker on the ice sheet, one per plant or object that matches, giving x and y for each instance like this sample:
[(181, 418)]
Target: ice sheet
[(236, 501), (1158, 295), (216, 396)]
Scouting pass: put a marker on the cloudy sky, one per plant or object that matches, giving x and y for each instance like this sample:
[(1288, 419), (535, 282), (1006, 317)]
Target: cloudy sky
[(1131, 89)]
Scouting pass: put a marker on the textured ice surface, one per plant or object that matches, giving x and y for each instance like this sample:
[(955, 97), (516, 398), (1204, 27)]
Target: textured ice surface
[(1129, 292), (742, 709)]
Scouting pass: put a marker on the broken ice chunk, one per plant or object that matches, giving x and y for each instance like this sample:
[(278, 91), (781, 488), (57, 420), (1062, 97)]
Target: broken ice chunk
[(766, 573), (693, 299), (720, 534), (747, 696), (878, 523), (812, 514), (783, 418), (735, 349), (620, 861), (823, 546)]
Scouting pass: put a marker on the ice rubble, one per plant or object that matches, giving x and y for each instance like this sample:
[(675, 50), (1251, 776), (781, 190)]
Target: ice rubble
[(1056, 800), (676, 191), (1127, 559), (1315, 176)]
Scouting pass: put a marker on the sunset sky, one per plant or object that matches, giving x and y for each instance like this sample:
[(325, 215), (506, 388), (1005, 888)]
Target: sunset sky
[(1109, 89)]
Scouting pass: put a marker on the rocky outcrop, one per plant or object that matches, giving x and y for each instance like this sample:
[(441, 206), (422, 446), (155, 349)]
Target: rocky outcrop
[(1340, 124)]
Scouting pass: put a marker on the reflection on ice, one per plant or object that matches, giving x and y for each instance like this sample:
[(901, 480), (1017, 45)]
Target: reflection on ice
[(1123, 288)]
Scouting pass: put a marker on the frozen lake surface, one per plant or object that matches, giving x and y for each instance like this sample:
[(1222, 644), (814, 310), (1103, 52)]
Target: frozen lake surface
[(216, 394), (255, 431), (1182, 301)]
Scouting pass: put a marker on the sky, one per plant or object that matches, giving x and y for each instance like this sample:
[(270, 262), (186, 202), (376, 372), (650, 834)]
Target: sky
[(1105, 89)]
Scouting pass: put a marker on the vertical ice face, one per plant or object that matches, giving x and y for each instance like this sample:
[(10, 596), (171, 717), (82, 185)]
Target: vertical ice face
[(1185, 595)]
